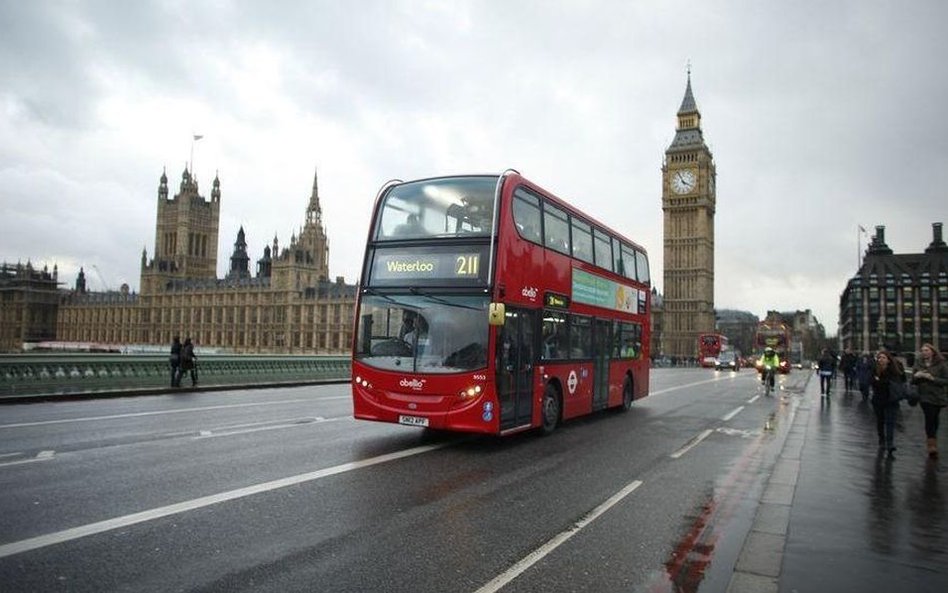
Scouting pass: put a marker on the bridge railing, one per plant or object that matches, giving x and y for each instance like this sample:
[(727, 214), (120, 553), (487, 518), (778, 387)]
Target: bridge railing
[(65, 374)]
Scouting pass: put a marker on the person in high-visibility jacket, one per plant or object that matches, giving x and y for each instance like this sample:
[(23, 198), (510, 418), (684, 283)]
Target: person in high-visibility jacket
[(769, 361)]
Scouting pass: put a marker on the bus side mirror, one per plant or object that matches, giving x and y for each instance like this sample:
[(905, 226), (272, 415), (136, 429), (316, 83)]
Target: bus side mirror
[(496, 314)]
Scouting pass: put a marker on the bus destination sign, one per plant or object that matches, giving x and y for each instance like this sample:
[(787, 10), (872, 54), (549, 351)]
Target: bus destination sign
[(395, 267), (559, 301)]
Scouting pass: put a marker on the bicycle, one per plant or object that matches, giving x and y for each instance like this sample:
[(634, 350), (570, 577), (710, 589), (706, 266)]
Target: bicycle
[(769, 379)]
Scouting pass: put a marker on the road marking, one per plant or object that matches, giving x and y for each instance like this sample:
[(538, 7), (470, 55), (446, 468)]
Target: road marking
[(160, 412), (246, 429), (500, 581), (733, 413), (685, 386), (692, 444), (696, 383), (753, 399), (747, 434), (41, 456), (66, 535)]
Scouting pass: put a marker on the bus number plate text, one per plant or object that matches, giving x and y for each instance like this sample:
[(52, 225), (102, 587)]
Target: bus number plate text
[(412, 420)]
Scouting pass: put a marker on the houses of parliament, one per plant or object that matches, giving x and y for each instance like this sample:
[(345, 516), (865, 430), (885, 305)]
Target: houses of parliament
[(288, 304)]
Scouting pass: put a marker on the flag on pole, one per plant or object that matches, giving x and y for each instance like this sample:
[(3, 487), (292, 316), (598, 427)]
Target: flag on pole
[(199, 136)]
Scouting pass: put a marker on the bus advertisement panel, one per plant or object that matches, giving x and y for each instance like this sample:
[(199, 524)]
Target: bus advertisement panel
[(488, 305)]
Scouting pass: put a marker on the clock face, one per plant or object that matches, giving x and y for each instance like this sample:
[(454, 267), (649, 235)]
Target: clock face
[(684, 181)]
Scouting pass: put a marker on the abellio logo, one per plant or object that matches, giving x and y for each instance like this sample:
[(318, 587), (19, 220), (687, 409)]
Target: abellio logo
[(416, 384), (529, 292)]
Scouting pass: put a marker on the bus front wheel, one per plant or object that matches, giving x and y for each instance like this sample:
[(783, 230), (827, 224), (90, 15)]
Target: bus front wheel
[(627, 394), (551, 409)]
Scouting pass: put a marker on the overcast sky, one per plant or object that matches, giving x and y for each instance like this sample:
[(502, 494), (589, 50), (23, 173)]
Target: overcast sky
[(821, 116)]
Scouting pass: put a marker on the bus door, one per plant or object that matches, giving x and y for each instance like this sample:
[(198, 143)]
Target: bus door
[(515, 358), (602, 330)]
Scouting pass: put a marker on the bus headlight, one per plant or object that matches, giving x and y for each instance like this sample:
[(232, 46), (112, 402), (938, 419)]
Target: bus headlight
[(471, 391)]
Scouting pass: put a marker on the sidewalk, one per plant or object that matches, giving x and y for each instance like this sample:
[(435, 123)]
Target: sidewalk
[(836, 516)]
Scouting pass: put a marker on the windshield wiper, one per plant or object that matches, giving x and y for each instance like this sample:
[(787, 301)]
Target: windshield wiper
[(385, 297), (441, 300)]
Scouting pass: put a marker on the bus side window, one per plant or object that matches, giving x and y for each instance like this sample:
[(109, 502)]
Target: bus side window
[(526, 213), (556, 228), (642, 265), (555, 338)]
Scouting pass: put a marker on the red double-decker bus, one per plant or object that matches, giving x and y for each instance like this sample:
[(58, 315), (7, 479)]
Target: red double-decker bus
[(710, 347), (488, 305)]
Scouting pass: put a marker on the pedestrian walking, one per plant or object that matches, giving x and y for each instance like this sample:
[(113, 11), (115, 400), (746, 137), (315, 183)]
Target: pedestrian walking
[(930, 376), (847, 364), (826, 368), (864, 367), (175, 361), (189, 361), (888, 380)]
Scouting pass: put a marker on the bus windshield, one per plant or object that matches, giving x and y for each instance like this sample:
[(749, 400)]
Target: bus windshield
[(447, 207), (423, 333)]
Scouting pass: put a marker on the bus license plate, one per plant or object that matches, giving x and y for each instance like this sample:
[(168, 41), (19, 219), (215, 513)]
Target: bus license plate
[(413, 420)]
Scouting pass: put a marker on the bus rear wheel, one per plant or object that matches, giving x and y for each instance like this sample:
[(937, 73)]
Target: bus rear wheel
[(551, 409), (627, 394)]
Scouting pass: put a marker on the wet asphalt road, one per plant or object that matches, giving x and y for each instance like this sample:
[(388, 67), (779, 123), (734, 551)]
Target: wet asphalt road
[(280, 490)]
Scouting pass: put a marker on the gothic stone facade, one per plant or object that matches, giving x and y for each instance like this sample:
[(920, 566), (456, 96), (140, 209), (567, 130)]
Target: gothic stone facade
[(289, 306), (688, 203)]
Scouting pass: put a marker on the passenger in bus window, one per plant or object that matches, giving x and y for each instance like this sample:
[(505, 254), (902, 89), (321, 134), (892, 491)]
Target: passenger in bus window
[(549, 340), (419, 333), (410, 228), (408, 325)]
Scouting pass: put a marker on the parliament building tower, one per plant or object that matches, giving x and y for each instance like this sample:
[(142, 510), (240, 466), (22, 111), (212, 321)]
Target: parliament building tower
[(185, 235), (688, 203)]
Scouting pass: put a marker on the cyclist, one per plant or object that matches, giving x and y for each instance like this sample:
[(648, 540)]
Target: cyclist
[(769, 363)]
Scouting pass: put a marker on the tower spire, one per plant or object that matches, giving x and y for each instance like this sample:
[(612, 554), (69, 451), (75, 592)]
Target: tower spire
[(314, 212), (688, 104)]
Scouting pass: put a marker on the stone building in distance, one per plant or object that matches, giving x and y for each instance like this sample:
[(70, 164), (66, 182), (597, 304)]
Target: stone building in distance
[(897, 301), (28, 302), (287, 305)]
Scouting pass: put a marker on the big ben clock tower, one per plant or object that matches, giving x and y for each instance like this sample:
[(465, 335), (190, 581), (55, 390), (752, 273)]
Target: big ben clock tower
[(688, 201)]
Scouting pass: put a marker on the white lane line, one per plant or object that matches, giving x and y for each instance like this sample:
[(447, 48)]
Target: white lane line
[(733, 413), (226, 432), (41, 456), (696, 383), (692, 444), (10, 454), (500, 581), (753, 399), (160, 412), (66, 535)]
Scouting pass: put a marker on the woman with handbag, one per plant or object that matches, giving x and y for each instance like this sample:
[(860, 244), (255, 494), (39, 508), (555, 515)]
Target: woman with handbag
[(930, 376), (888, 387)]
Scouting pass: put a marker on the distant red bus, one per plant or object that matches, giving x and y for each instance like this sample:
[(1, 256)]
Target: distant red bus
[(710, 347), (489, 305), (776, 335)]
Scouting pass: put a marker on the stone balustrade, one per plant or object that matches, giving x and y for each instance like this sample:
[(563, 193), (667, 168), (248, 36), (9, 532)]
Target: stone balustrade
[(65, 374)]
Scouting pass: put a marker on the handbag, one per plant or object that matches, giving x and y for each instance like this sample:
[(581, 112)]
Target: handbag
[(897, 390), (911, 394)]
